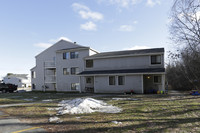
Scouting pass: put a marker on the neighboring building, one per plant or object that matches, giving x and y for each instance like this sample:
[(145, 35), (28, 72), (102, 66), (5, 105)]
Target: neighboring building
[(66, 66), (21, 80)]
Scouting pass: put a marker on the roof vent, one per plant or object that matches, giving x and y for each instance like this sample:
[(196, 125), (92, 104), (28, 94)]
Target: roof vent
[(74, 42)]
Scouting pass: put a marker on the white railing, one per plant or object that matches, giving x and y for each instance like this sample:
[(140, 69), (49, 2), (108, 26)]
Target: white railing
[(50, 79), (49, 64)]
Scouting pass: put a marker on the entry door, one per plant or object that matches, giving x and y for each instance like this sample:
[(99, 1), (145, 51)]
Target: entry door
[(89, 84)]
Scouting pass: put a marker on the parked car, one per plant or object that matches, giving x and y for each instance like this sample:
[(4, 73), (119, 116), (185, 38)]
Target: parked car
[(7, 88)]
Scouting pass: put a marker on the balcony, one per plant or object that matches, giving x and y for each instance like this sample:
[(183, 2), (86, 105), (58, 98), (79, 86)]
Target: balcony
[(50, 79), (49, 64)]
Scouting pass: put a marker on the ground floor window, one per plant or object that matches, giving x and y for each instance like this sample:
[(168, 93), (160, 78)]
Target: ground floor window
[(75, 86), (88, 80), (33, 86), (157, 79), (121, 80), (111, 80)]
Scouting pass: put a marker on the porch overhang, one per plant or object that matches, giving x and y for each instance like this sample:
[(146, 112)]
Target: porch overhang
[(124, 71)]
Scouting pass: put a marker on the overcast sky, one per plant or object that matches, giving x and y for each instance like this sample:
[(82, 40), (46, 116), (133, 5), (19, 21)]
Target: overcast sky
[(29, 26)]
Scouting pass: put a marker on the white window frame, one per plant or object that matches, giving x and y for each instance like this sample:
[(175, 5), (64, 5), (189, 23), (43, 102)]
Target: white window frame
[(92, 63), (77, 85), (33, 74), (76, 55), (160, 79), (161, 56), (109, 80), (66, 57), (67, 70), (118, 80), (76, 72)]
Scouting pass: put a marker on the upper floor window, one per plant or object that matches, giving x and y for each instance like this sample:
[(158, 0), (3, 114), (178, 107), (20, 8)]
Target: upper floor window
[(121, 80), (89, 63), (74, 70), (111, 80), (33, 75), (155, 59), (66, 71), (66, 55), (73, 55)]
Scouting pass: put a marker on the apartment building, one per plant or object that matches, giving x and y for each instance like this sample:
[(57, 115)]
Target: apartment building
[(21, 80), (57, 67), (70, 67)]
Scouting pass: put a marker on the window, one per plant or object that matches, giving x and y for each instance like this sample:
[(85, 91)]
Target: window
[(66, 55), (33, 75), (33, 86), (121, 80), (89, 63), (74, 70), (66, 71), (89, 80), (111, 80), (75, 86), (74, 55), (156, 59), (157, 79)]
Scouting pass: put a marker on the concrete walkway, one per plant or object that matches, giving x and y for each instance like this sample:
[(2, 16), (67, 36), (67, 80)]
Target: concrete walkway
[(13, 125)]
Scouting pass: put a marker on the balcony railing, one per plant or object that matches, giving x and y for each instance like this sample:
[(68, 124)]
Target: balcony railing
[(49, 64), (50, 79)]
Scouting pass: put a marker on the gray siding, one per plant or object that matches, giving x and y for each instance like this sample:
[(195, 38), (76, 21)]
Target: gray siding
[(133, 62), (49, 55), (64, 81), (132, 82)]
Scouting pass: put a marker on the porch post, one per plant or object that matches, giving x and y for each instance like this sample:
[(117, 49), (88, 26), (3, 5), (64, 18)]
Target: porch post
[(94, 84), (80, 84), (142, 84), (163, 82)]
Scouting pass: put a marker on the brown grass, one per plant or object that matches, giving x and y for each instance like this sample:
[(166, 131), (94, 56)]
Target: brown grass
[(150, 113)]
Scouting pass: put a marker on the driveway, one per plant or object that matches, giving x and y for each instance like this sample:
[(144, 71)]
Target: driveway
[(13, 125)]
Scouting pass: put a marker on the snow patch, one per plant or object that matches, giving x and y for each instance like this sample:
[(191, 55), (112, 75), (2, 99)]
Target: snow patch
[(85, 105), (54, 119), (47, 100), (28, 99), (116, 122), (51, 109), (130, 99)]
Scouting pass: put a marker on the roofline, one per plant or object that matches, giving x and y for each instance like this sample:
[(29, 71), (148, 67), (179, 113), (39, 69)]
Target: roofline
[(33, 68), (94, 50), (121, 74), (53, 45), (117, 56), (71, 49)]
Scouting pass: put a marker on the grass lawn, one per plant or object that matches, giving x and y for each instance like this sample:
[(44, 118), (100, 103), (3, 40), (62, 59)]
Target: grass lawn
[(150, 113)]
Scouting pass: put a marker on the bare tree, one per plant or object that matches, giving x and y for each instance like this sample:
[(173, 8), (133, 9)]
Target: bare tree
[(185, 24), (185, 34)]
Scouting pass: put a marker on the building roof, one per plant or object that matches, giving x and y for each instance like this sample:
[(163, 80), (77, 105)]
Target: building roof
[(123, 71), (78, 47), (127, 52), (65, 41), (23, 76)]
